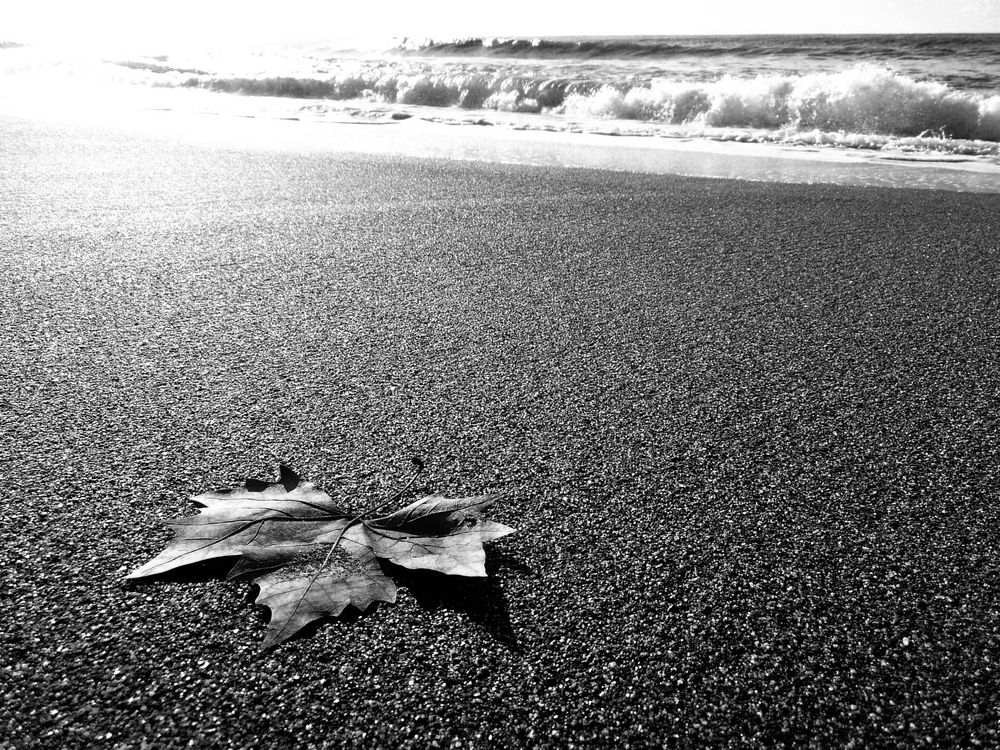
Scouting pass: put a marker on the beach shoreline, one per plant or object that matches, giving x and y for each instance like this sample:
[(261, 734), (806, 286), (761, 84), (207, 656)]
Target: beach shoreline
[(273, 123), (746, 431)]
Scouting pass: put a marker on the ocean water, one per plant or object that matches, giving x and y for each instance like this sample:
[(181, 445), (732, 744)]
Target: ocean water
[(930, 94)]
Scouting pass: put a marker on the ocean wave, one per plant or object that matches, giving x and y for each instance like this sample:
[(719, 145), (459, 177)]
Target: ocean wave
[(870, 47), (581, 48), (464, 90), (864, 98), (157, 67)]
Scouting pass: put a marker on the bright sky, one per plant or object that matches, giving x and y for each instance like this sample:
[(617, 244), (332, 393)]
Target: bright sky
[(226, 21)]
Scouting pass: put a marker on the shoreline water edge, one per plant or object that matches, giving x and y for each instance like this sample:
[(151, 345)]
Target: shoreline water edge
[(903, 111)]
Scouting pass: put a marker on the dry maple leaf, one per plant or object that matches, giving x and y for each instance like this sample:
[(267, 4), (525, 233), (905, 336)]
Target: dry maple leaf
[(314, 559)]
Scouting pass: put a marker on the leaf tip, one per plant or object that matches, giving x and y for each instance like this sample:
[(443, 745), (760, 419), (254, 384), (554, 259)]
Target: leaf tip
[(270, 643)]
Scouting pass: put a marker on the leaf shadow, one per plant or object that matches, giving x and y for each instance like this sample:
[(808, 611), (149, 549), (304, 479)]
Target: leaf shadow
[(481, 599)]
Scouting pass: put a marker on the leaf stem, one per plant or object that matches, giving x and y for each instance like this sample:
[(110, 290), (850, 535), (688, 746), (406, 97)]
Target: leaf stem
[(358, 518), (419, 467)]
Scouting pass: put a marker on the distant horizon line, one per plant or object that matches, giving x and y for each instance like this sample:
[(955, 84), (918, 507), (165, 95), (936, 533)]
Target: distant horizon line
[(712, 34), (13, 40)]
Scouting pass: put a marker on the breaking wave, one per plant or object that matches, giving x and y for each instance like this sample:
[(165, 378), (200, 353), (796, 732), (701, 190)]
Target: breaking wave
[(885, 47), (570, 48), (157, 67), (861, 99), (942, 94)]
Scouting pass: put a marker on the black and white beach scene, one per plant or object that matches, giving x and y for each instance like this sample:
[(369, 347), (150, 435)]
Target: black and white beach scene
[(449, 375)]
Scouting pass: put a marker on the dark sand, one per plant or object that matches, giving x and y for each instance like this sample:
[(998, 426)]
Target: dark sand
[(749, 431)]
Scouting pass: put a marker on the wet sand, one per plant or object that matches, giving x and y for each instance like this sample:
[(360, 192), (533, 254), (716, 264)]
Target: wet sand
[(748, 433)]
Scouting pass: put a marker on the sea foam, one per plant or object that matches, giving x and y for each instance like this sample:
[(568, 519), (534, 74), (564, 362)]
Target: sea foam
[(861, 99), (778, 89), (864, 98)]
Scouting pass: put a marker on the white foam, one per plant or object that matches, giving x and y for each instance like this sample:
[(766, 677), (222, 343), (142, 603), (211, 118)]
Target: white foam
[(862, 99)]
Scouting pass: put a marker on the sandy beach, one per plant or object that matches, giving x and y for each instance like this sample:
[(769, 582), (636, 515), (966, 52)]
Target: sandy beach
[(747, 432)]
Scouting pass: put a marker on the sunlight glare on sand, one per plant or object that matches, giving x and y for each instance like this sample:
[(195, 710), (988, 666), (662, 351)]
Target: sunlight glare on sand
[(186, 117)]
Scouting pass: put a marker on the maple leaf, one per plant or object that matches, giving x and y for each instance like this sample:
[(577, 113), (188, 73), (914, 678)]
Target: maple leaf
[(312, 559)]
